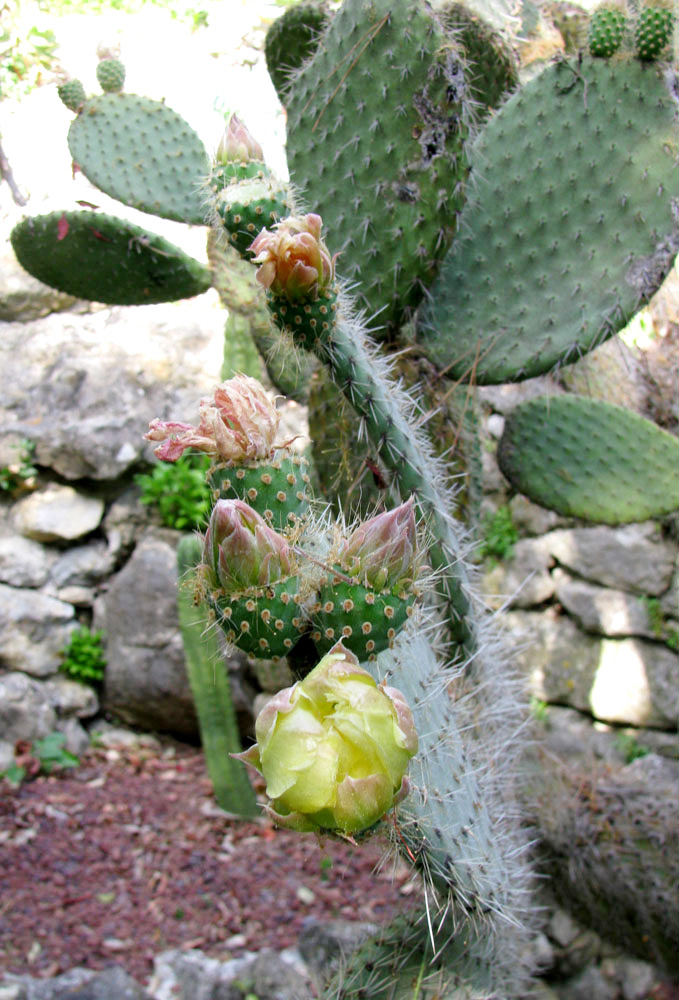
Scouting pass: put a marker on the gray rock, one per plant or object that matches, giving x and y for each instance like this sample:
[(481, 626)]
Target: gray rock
[(77, 739), (523, 580), (629, 681), (25, 709), (632, 557), (23, 563), (6, 759), (125, 522), (84, 389), (23, 297), (279, 978), (71, 698), (191, 975), (111, 984), (503, 398), (35, 630), (325, 944), (636, 978), (569, 734), (602, 609), (146, 683), (31, 988), (531, 519), (57, 514), (83, 565), (591, 984)]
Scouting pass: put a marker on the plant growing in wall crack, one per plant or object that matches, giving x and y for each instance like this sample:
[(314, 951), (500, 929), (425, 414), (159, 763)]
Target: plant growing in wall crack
[(488, 238)]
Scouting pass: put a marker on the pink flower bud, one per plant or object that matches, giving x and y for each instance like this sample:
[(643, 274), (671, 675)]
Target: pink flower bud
[(242, 550), (238, 424), (294, 261), (381, 551), (237, 144)]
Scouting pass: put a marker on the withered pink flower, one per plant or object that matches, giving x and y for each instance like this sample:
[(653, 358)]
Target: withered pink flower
[(237, 145), (382, 551), (238, 424), (294, 262), (241, 549)]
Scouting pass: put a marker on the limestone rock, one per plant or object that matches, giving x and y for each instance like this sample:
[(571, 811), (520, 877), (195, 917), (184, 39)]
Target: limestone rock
[(523, 580), (82, 565), (25, 709), (602, 609), (57, 514), (632, 557), (146, 683), (35, 629), (23, 562), (85, 388), (629, 681), (71, 698)]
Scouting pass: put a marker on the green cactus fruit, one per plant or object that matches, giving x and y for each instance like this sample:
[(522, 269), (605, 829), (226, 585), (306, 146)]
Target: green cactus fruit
[(587, 458), (245, 208), (103, 258), (653, 31), (72, 94), (277, 488), (570, 227), (308, 321), (111, 75), (491, 67), (265, 622), (142, 153), (366, 620), (376, 130), (209, 680), (291, 40), (606, 30)]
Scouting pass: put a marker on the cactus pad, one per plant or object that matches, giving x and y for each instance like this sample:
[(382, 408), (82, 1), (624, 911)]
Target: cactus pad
[(490, 67), (376, 126), (586, 458), (606, 30), (291, 40), (279, 489), (571, 225), (99, 257), (111, 75), (142, 153)]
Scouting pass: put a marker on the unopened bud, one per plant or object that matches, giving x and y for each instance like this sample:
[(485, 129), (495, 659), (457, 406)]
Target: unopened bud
[(381, 551), (237, 145), (334, 748), (242, 550)]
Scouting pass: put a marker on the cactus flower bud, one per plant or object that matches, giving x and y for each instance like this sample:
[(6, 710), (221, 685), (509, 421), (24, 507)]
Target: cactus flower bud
[(381, 551), (237, 145), (334, 748), (238, 424), (294, 261), (242, 550)]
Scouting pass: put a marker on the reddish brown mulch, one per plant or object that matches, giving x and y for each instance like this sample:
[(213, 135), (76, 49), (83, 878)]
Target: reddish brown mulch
[(127, 855)]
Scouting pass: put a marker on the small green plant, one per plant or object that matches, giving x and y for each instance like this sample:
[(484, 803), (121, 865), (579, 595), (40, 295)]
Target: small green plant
[(43, 757), (19, 475), (500, 534), (539, 710), (83, 658), (627, 745), (178, 491), (658, 623)]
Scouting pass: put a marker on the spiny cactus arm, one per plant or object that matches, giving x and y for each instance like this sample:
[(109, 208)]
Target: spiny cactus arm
[(390, 418), (588, 458), (570, 225), (106, 259), (211, 690), (292, 39)]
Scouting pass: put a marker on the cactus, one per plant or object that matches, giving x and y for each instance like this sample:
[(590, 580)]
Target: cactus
[(380, 141), (582, 458), (211, 692)]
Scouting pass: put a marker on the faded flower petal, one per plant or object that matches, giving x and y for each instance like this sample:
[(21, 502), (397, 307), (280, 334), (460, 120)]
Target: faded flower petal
[(294, 261)]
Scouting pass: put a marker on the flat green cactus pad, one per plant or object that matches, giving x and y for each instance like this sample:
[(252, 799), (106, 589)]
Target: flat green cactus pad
[(570, 225), (376, 123), (586, 458), (142, 153), (99, 257)]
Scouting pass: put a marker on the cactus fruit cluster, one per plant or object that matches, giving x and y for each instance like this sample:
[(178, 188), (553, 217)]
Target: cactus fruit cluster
[(486, 238)]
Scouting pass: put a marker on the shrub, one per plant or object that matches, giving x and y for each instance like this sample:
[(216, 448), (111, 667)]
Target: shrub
[(178, 490), (83, 658)]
